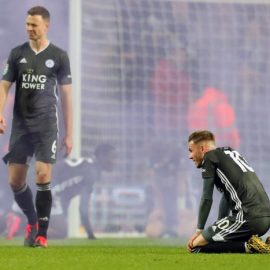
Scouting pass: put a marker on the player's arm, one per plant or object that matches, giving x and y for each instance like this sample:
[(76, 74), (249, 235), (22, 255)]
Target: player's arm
[(208, 174), (205, 203), (224, 207), (204, 210), (4, 88), (66, 101)]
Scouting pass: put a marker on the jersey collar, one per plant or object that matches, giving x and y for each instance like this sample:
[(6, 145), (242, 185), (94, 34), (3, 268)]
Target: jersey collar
[(36, 53)]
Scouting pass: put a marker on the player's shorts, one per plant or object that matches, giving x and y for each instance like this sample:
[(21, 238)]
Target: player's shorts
[(231, 229), (41, 145)]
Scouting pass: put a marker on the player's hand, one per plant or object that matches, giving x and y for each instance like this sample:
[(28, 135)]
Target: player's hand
[(2, 124), (191, 240), (67, 145)]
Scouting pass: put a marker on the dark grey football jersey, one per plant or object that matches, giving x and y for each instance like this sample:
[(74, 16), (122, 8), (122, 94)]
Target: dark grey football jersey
[(36, 76), (236, 178)]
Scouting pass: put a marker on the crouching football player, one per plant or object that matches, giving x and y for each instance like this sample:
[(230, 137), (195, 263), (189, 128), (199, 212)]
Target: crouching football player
[(243, 196)]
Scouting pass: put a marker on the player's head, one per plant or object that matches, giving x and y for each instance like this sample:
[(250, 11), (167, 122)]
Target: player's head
[(106, 157), (37, 22), (199, 143), (41, 11)]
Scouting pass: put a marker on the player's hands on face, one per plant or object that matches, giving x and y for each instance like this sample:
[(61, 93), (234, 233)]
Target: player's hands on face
[(67, 145), (2, 124)]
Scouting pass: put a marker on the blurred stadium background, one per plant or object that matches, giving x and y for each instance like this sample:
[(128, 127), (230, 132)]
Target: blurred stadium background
[(147, 73)]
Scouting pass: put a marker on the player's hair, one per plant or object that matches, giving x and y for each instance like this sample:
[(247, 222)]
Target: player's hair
[(103, 150), (39, 10), (201, 135)]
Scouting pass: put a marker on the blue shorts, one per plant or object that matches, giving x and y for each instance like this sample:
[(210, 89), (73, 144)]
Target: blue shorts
[(41, 145)]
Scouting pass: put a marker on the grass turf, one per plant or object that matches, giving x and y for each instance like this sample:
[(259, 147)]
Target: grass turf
[(118, 254)]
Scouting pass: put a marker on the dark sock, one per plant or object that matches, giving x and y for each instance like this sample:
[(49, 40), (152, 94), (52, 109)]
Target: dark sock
[(43, 206), (221, 247), (24, 199)]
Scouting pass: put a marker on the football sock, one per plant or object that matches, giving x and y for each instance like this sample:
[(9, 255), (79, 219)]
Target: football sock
[(222, 247), (24, 199), (43, 206)]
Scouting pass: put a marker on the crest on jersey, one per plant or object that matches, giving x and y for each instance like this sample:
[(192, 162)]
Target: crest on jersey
[(49, 63), (5, 69)]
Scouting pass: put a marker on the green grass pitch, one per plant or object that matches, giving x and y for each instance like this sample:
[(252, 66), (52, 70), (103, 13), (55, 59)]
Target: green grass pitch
[(121, 254)]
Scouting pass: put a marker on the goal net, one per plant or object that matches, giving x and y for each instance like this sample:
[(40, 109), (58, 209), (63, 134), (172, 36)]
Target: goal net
[(152, 71)]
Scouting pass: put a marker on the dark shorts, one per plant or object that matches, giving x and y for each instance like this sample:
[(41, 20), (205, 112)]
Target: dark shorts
[(231, 229), (41, 145)]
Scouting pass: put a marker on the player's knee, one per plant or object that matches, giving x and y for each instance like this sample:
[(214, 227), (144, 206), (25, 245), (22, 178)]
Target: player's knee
[(16, 182), (43, 173), (42, 177)]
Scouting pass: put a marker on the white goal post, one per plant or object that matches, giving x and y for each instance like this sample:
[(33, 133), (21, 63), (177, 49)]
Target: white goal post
[(75, 61)]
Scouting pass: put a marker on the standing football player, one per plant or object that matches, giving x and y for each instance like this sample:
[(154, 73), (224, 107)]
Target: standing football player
[(36, 67)]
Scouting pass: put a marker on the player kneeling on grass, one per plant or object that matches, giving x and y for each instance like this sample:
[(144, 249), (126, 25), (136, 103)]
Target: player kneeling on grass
[(243, 196)]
